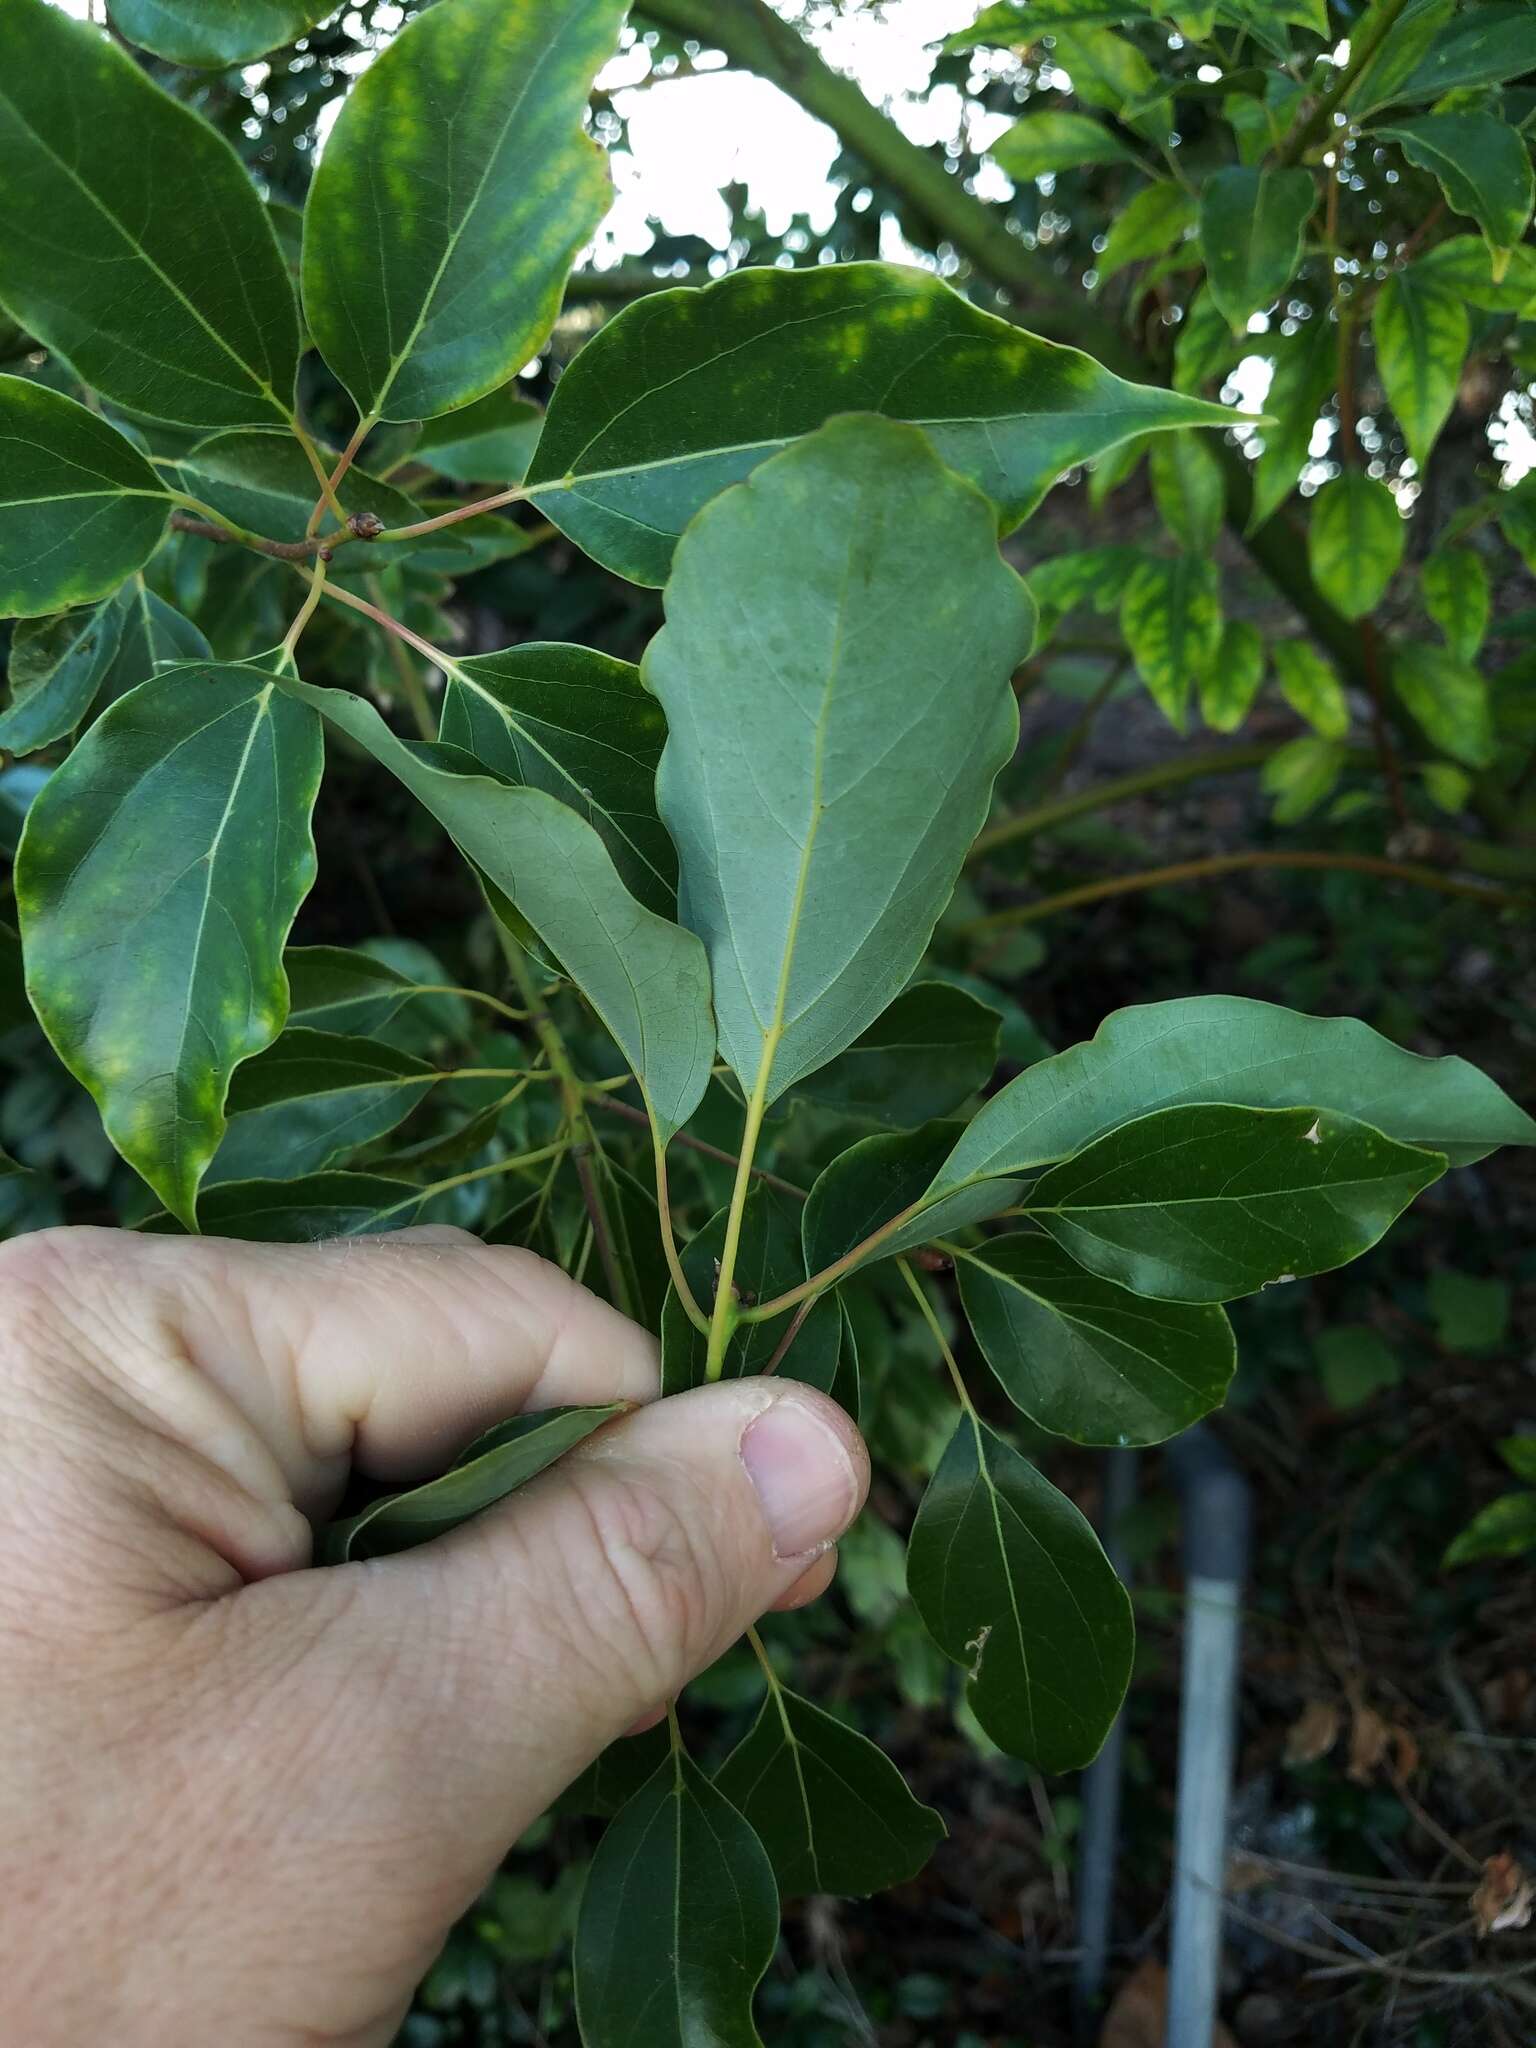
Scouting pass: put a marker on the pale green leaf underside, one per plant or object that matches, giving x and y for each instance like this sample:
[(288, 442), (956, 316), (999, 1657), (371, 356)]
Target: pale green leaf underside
[(454, 193), (210, 34), (159, 874), (689, 390), (836, 715), (134, 243)]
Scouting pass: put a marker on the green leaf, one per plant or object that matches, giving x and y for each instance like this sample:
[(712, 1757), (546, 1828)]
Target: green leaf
[(1311, 688), (1095, 576), (1471, 1311), (1457, 598), (1209, 1201), (1505, 1528), (263, 482), (1421, 332), (1171, 618), (1013, 1585), (331, 988), (1082, 1357), (1152, 222), (1304, 772), (490, 441), (832, 1811), (154, 956), (1515, 510), (1482, 166), (1448, 700), (141, 251), (310, 1096), (1355, 1363), (1203, 347), (679, 1921), (57, 667), (1251, 226), (875, 1181), (922, 1058), (1014, 22), (1354, 543), (634, 1224), (687, 391), (1189, 490), (647, 980), (1519, 1454), (1484, 46), (1399, 42), (320, 1207), (581, 726), (769, 1264), (1229, 1049), (212, 34), (496, 1464), (1228, 688), (454, 193), (1306, 366), (821, 795), (1463, 266), (154, 634), (80, 508), (1043, 143), (1110, 72)]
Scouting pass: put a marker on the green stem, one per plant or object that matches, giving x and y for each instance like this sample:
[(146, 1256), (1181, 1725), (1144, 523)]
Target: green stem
[(1162, 775), (459, 1180), (680, 1286), (412, 689), (302, 617), (703, 1146), (936, 1327), (515, 496), (818, 1283), (1309, 127), (727, 1310)]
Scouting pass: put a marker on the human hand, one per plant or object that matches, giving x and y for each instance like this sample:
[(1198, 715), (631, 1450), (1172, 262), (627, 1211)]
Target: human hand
[(240, 1800)]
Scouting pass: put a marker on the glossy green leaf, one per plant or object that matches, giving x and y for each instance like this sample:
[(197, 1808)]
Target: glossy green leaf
[(1306, 365), (581, 726), (1229, 1049), (832, 1811), (1448, 700), (490, 441), (331, 988), (310, 1211), (1481, 165), (1232, 682), (311, 1096), (1171, 618), (1084, 1358), (769, 1264), (1505, 1528), (154, 955), (1463, 265), (1209, 1201), (454, 193), (821, 795), (1043, 143), (1400, 43), (80, 508), (496, 1464), (608, 1784), (1251, 226), (153, 634), (1189, 490), (679, 1920), (922, 1058), (687, 391), (1150, 223), (1304, 772), (634, 1228), (1457, 598), (1421, 332), (212, 34), (57, 666), (1013, 1585), (263, 482), (876, 1182), (1311, 688), (1483, 46), (1354, 543), (140, 250), (1109, 71), (647, 979)]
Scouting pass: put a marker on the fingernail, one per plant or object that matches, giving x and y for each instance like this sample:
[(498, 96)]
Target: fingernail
[(803, 1477)]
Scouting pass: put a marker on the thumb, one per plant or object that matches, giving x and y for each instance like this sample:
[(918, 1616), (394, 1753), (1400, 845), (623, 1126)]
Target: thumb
[(485, 1671)]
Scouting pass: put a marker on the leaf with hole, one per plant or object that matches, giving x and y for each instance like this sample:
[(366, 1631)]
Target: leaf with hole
[(796, 744), (1085, 1358), (687, 391), (154, 958), (496, 1464), (142, 252), (830, 1808), (453, 195), (1014, 1586)]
